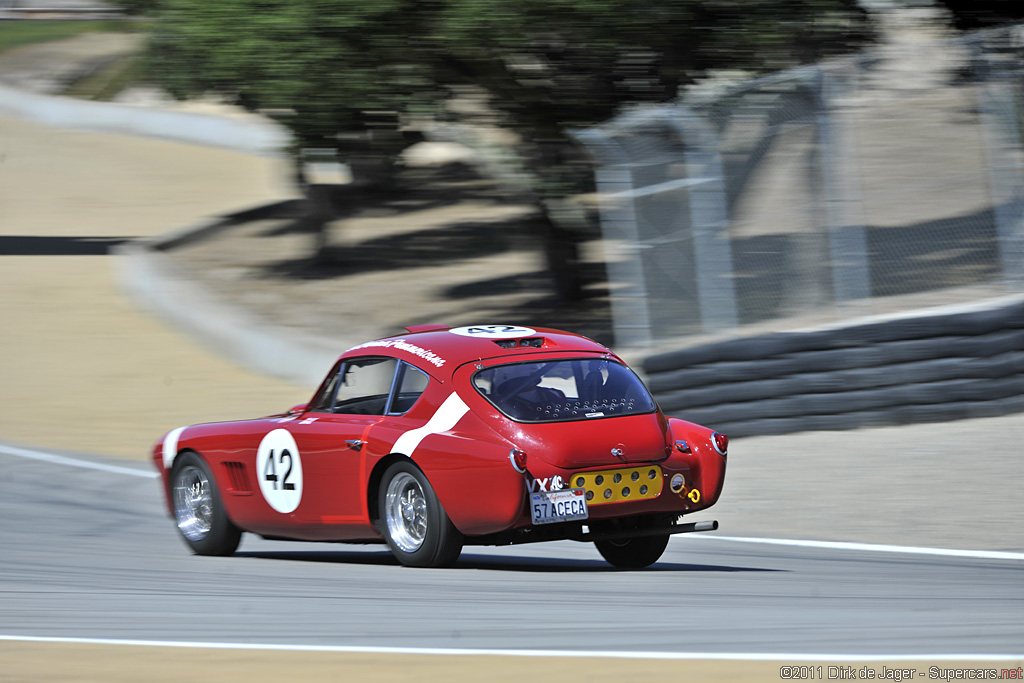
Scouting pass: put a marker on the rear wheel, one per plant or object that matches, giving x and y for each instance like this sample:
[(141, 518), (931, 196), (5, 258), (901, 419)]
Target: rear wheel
[(198, 509), (633, 553), (415, 525)]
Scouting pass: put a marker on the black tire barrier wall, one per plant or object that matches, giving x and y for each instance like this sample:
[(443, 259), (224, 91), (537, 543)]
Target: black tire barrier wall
[(922, 369)]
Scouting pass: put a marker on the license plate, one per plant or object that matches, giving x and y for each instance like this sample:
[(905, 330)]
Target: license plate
[(558, 506)]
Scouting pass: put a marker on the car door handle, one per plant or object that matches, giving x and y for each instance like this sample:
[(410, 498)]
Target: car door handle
[(354, 444)]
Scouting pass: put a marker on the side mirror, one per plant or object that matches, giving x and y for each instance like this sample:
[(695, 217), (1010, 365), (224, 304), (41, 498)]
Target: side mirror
[(297, 409)]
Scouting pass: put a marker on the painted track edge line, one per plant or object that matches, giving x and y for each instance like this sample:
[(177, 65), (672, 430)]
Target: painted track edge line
[(870, 547), (75, 462), (622, 654), (832, 545)]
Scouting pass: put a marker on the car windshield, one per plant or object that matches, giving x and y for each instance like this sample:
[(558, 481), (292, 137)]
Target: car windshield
[(563, 390)]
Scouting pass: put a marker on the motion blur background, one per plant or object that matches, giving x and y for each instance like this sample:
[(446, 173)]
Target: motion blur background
[(660, 178), (876, 169), (683, 180)]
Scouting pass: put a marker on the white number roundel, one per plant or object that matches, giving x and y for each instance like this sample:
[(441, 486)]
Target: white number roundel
[(279, 470), (493, 331)]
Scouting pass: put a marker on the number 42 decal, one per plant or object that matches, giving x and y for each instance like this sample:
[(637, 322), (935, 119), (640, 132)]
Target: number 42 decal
[(270, 472), (280, 470), (493, 331)]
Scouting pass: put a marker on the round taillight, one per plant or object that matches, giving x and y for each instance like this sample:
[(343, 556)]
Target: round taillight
[(518, 460), (720, 442)]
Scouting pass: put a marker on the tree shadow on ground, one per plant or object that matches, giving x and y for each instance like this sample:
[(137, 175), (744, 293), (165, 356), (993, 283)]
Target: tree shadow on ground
[(449, 243), (411, 190), (590, 316), (905, 259), (937, 254)]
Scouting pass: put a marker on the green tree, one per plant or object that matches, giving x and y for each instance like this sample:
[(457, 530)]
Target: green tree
[(547, 65), (973, 14)]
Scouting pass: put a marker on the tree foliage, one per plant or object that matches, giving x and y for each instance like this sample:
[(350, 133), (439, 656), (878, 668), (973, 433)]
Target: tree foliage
[(973, 14), (547, 63), (346, 68)]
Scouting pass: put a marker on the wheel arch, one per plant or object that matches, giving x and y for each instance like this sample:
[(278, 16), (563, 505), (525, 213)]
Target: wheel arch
[(432, 540), (168, 478), (215, 472), (182, 451), (373, 485)]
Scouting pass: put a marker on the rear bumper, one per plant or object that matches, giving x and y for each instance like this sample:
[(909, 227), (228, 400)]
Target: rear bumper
[(597, 530)]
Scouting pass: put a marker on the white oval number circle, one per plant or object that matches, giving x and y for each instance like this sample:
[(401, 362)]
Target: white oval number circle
[(279, 470), (493, 331)]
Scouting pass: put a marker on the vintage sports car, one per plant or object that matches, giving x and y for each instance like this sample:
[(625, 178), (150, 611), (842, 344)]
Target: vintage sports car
[(445, 437)]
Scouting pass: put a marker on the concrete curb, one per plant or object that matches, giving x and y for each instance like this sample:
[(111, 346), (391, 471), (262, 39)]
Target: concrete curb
[(262, 138), (151, 280)]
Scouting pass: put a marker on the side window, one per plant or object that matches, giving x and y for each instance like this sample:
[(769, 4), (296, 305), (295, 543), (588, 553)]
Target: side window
[(412, 382), (324, 401), (364, 386)]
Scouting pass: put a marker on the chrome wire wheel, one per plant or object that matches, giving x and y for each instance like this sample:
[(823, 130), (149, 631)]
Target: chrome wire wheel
[(193, 503), (405, 509)]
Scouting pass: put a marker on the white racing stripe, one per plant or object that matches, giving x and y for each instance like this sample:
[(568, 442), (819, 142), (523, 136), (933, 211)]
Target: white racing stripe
[(871, 547), (588, 654), (75, 462), (446, 417), (170, 449)]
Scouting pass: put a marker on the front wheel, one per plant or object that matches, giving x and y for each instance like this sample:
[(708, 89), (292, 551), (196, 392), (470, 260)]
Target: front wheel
[(415, 525), (633, 553), (198, 509)]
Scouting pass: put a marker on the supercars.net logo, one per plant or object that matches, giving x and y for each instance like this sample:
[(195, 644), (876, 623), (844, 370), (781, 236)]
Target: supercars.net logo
[(885, 673)]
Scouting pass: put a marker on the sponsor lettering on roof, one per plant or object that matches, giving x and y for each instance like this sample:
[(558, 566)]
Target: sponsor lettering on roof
[(402, 345)]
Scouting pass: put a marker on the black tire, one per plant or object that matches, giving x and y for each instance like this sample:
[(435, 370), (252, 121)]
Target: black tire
[(198, 509), (633, 553), (413, 521)]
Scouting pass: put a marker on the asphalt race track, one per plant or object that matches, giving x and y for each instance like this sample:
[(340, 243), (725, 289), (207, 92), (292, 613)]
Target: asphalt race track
[(90, 553)]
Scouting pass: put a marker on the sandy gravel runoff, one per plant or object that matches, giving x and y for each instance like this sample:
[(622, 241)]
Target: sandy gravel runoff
[(84, 369)]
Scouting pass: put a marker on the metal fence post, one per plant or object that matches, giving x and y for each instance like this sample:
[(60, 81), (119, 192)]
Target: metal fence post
[(614, 179), (996, 90), (709, 221), (838, 157)]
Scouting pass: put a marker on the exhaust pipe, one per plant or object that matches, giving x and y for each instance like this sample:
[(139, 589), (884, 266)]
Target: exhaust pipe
[(687, 528)]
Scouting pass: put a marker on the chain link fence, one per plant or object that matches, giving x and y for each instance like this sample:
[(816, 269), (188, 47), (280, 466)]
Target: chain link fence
[(885, 182)]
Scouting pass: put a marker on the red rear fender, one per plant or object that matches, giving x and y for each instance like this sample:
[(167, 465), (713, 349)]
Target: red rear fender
[(707, 465)]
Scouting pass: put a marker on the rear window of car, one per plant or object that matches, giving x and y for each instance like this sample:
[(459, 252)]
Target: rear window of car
[(563, 390)]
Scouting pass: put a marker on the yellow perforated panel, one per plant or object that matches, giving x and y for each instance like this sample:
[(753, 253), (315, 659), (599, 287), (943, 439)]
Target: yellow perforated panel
[(619, 485)]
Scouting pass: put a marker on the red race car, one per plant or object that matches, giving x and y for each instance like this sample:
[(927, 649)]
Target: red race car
[(484, 435)]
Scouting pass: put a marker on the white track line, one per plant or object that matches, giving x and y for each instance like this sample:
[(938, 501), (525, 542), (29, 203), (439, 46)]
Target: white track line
[(714, 656), (75, 462), (832, 545), (603, 654), (871, 547)]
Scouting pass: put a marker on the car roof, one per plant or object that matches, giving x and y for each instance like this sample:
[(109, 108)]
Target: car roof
[(441, 349)]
